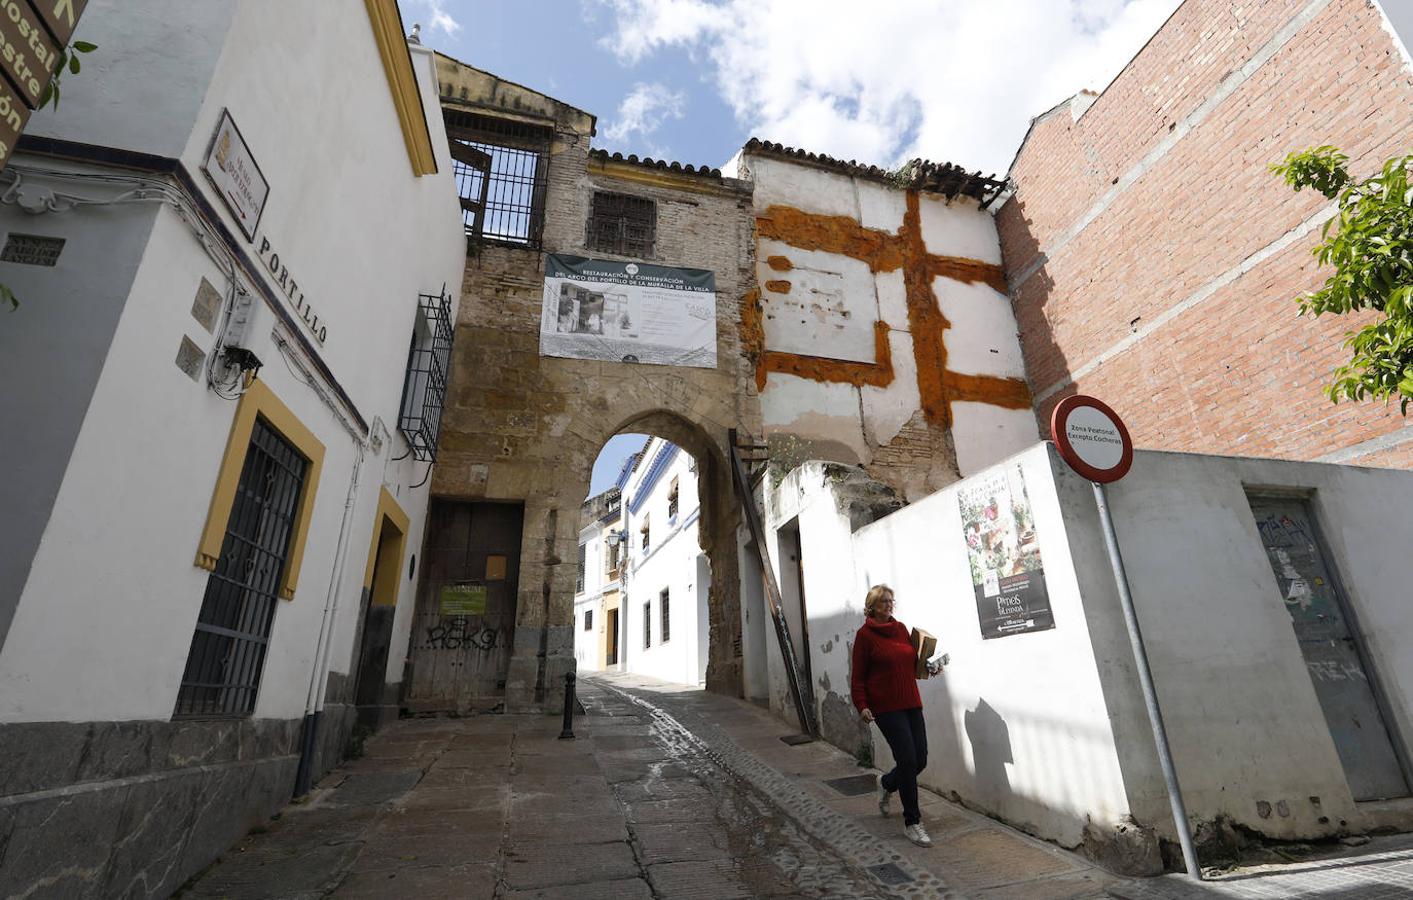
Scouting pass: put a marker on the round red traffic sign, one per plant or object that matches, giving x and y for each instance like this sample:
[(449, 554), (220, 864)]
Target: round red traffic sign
[(1091, 438)]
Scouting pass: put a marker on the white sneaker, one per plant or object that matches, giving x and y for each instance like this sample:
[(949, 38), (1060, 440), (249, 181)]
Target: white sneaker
[(884, 799), (917, 834)]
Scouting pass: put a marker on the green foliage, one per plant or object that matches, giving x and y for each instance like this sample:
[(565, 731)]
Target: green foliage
[(1369, 243), (68, 59)]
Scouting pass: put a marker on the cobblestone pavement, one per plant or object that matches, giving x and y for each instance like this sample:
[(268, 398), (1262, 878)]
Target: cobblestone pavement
[(666, 793)]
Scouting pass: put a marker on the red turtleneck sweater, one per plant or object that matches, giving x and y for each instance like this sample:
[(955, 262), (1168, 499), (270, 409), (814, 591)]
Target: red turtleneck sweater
[(883, 677)]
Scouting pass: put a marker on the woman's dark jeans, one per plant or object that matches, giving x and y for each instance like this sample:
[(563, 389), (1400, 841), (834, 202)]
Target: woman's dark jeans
[(907, 738)]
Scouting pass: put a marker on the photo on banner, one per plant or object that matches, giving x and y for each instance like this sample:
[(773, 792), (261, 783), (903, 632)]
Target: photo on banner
[(628, 312), (1004, 554)]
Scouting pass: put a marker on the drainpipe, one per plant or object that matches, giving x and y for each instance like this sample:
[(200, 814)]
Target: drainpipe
[(319, 677)]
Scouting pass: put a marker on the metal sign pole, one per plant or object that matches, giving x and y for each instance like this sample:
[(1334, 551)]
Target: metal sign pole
[(1145, 677)]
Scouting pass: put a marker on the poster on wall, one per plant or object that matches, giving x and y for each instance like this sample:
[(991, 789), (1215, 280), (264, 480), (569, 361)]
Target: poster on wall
[(628, 312), (1004, 554)]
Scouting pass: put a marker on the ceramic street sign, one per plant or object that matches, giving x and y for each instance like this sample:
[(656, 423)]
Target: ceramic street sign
[(1091, 438)]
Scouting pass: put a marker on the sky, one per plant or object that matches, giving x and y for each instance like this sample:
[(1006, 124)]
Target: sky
[(881, 83)]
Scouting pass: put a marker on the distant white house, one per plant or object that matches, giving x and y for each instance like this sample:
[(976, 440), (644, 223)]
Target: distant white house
[(666, 578)]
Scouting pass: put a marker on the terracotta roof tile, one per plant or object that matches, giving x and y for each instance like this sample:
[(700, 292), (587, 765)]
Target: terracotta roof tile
[(650, 163), (918, 174)]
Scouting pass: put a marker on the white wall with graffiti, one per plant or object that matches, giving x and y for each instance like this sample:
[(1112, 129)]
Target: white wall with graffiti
[(1038, 720)]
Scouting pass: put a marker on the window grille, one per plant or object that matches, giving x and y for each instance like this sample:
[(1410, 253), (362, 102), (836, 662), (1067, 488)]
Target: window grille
[(646, 534), (588, 620), (227, 653), (622, 224), (672, 500), (665, 620), (428, 364), (647, 624), (501, 171), (583, 558)]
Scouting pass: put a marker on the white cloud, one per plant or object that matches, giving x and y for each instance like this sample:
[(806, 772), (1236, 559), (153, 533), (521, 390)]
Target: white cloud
[(641, 113), (438, 19), (955, 80)]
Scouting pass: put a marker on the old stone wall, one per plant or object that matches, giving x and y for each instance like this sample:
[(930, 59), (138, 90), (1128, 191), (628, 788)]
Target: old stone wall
[(882, 333), (525, 428), (1152, 259)]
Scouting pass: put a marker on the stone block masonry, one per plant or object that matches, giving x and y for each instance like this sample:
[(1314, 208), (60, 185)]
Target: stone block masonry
[(523, 428), (1154, 261)]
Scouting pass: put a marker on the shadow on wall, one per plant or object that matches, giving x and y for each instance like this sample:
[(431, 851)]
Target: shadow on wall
[(990, 748), (1033, 304)]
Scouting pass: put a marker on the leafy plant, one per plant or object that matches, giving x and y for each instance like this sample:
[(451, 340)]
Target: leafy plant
[(1370, 245), (68, 59)]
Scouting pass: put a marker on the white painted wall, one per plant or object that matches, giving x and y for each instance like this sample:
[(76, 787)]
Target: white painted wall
[(671, 563), (1047, 729), (596, 539), (113, 581), (834, 301)]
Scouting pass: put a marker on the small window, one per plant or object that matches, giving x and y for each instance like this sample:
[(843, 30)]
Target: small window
[(588, 620), (501, 169), (579, 584), (665, 619), (672, 500), (611, 558), (622, 224), (646, 533), (647, 624)]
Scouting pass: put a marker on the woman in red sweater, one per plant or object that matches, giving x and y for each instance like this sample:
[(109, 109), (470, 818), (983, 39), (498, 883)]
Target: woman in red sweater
[(884, 688)]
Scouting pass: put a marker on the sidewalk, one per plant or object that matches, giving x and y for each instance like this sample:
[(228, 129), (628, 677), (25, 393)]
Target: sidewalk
[(669, 792)]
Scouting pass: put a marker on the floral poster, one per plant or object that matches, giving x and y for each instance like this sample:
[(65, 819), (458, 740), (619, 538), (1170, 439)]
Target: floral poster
[(1004, 554)]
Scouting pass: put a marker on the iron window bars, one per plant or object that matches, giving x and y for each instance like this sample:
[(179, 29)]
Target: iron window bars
[(647, 624), (501, 171), (428, 365), (622, 224), (665, 621), (227, 655)]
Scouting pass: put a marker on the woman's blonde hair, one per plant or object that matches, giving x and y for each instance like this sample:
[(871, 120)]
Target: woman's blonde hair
[(875, 594)]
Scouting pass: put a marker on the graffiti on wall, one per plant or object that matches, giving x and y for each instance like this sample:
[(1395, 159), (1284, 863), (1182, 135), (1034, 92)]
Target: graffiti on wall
[(461, 633)]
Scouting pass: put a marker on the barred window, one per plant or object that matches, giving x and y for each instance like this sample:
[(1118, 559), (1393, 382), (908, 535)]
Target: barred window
[(664, 618), (227, 655), (501, 171), (588, 620), (672, 500), (647, 624), (622, 224), (583, 558)]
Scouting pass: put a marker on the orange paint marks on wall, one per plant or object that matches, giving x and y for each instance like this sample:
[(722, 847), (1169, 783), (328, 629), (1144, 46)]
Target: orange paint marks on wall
[(882, 251), (753, 334), (969, 271), (832, 234), (878, 373), (1008, 393)]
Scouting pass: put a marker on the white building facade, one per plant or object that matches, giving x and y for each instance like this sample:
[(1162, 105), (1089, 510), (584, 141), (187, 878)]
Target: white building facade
[(222, 390), (653, 619), (597, 607)]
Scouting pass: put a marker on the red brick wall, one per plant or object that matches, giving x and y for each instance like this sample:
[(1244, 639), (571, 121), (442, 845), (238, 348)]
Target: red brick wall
[(1237, 372)]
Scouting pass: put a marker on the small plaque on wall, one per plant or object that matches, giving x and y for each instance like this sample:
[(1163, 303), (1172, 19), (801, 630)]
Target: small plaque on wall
[(32, 249), (463, 600)]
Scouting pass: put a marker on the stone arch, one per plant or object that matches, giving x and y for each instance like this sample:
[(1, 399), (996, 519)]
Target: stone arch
[(716, 535)]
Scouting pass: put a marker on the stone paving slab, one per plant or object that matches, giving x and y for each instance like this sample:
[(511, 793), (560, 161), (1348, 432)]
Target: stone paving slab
[(676, 842), (399, 851), (538, 866), (627, 889), (466, 882)]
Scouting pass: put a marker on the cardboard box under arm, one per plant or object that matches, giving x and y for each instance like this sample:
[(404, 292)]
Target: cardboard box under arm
[(924, 645)]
